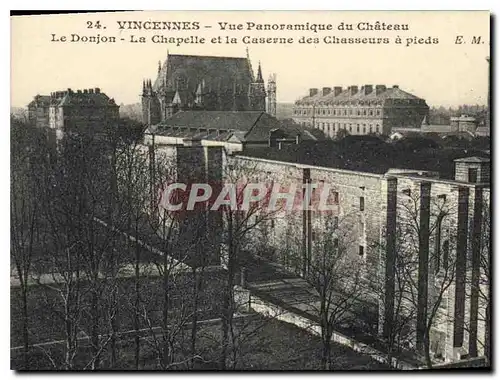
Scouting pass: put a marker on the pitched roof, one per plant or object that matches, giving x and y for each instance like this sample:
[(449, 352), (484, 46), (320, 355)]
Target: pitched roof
[(40, 101), (217, 73), (369, 157), (235, 120), (70, 98), (89, 99), (473, 159), (347, 96), (244, 125)]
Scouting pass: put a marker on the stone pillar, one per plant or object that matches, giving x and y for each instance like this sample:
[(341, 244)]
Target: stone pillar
[(242, 299), (388, 260), (461, 266), (423, 262), (306, 226), (475, 266), (214, 162), (243, 277)]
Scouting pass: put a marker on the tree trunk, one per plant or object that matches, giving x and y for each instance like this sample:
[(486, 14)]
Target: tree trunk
[(137, 297), (166, 273), (326, 349), (427, 351), (113, 306), (227, 309), (95, 326), (68, 330), (24, 291), (194, 325), (487, 344)]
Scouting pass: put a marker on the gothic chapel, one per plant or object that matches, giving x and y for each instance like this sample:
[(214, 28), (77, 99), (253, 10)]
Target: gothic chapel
[(188, 82)]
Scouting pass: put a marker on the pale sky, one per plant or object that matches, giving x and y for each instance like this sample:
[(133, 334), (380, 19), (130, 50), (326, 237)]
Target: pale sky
[(445, 73)]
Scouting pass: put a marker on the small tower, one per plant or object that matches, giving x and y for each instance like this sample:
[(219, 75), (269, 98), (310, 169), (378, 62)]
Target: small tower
[(150, 104), (271, 95), (145, 100), (257, 93)]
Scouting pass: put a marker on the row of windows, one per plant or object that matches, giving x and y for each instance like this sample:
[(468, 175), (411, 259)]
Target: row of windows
[(338, 112), (326, 127), (361, 248)]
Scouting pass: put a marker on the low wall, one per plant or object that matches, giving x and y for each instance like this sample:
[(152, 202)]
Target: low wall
[(274, 311)]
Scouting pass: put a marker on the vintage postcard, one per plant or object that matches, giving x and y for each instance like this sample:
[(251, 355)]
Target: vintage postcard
[(250, 190)]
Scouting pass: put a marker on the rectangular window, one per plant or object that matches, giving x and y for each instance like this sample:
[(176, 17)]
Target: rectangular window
[(361, 251), (446, 253), (335, 222), (313, 236), (472, 175), (361, 203), (442, 197), (437, 254), (335, 243), (336, 198)]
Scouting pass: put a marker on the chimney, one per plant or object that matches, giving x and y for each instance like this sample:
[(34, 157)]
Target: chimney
[(85, 91), (91, 90), (380, 88), (337, 90), (97, 90), (79, 91), (326, 90), (354, 90), (313, 91), (368, 89), (395, 86)]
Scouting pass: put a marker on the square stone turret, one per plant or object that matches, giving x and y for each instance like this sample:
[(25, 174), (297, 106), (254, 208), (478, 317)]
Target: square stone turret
[(473, 169)]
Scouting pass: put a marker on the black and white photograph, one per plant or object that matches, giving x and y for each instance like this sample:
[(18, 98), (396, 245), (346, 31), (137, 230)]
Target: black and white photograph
[(250, 191)]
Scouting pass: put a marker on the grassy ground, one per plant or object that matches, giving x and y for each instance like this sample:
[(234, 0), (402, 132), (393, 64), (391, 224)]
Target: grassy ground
[(45, 306), (262, 345)]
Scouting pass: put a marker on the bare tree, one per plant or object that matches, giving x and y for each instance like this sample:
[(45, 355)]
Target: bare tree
[(84, 261), (336, 275), (27, 161), (400, 333), (179, 238), (479, 281), (438, 269), (132, 177), (238, 223)]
